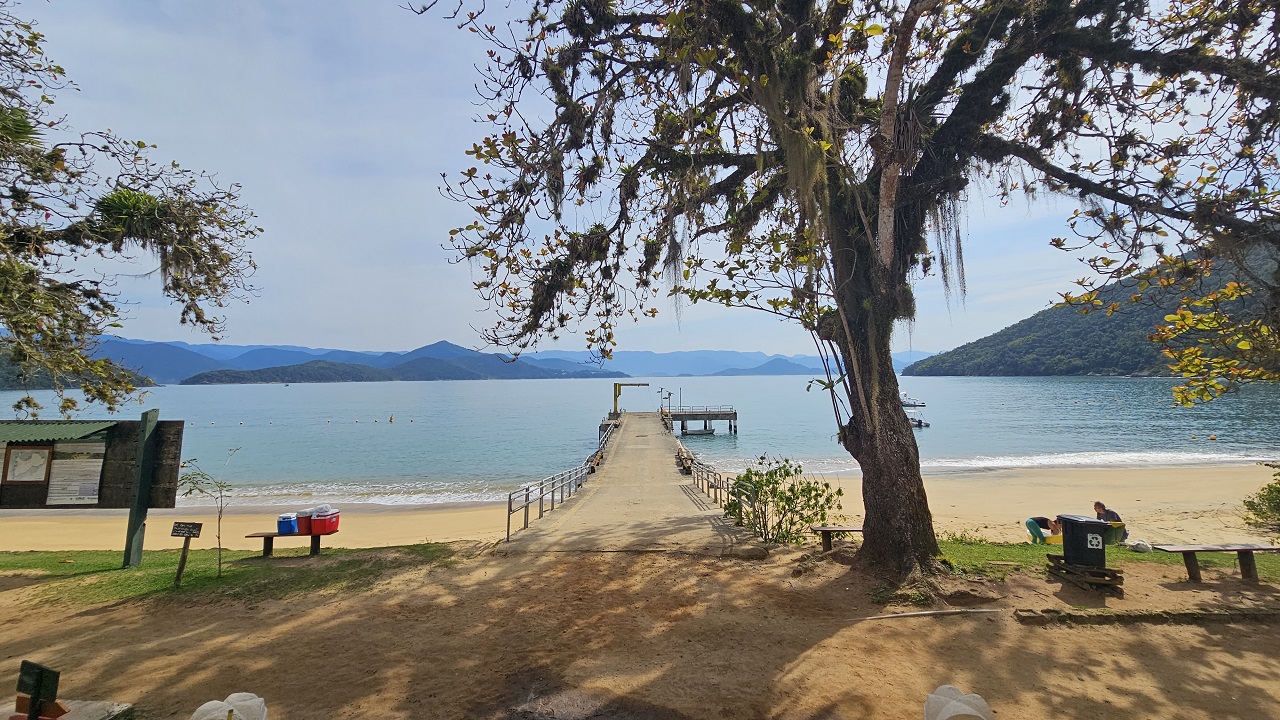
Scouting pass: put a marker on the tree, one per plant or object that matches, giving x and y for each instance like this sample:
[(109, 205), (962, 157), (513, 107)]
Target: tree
[(195, 481), (70, 201), (809, 159)]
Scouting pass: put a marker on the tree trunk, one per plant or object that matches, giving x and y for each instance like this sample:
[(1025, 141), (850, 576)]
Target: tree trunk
[(897, 527)]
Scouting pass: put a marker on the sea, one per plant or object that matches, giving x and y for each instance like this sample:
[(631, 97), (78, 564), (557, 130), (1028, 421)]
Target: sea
[(411, 443)]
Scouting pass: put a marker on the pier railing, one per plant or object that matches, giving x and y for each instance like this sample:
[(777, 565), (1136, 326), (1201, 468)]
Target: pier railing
[(562, 485), (700, 408), (718, 487)]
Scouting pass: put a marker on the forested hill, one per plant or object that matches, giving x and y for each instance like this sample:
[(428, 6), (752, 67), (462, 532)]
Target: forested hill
[(1060, 341)]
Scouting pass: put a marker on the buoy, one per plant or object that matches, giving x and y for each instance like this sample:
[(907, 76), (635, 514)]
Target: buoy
[(1213, 437), (1193, 437)]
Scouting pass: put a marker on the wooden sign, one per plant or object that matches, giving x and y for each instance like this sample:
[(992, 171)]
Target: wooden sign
[(39, 685), (186, 529)]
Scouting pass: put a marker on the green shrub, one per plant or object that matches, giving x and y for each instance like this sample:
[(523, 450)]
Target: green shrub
[(777, 504), (1262, 509)]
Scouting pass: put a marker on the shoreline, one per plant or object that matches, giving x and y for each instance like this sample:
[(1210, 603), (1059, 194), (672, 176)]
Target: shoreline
[(1174, 503)]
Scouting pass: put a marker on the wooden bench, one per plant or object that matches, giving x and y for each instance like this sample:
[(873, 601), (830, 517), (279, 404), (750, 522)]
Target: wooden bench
[(268, 541), (1248, 569), (826, 531)]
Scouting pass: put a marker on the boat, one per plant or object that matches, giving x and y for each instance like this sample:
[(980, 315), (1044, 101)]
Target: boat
[(916, 420), (910, 401)]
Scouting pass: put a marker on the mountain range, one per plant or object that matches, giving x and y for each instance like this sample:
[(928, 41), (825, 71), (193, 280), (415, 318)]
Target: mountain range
[(214, 363)]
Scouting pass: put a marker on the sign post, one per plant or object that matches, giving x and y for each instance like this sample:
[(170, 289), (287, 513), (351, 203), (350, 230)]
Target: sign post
[(146, 463), (186, 531), (39, 684)]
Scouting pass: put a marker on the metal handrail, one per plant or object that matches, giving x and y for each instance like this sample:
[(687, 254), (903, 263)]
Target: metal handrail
[(701, 408), (566, 483)]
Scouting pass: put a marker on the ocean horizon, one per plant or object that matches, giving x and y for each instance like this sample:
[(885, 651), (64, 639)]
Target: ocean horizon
[(415, 443)]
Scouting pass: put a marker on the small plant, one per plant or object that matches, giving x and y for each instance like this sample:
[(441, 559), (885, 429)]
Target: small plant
[(777, 504), (1262, 509), (964, 537), (195, 481)]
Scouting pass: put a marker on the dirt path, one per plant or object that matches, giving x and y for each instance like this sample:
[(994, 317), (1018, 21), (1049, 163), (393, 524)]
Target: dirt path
[(650, 635)]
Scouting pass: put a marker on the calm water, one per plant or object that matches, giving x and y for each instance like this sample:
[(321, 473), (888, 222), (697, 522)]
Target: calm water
[(477, 440)]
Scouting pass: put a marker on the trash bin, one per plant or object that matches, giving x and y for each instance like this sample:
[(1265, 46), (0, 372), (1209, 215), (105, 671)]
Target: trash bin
[(1082, 538)]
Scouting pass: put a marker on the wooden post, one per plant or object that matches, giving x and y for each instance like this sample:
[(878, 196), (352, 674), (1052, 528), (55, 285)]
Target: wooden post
[(1248, 568), (182, 562), (1193, 566), (145, 464)]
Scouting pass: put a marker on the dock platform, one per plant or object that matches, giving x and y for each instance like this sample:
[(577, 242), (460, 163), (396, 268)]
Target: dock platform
[(685, 414)]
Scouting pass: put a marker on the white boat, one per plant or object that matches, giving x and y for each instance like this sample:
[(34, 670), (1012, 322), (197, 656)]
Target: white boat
[(916, 420), (910, 401)]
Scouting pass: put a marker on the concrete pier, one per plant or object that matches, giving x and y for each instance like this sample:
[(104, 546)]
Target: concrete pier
[(706, 414), (637, 500)]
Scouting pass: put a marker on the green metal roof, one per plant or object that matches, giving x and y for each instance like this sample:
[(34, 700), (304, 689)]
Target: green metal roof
[(20, 431)]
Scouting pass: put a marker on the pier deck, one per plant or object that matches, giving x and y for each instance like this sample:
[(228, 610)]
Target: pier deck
[(637, 500), (706, 413)]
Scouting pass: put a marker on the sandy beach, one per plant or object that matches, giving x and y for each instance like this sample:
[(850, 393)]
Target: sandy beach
[(1160, 504)]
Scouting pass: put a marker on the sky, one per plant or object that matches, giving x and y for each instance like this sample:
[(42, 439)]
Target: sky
[(338, 118)]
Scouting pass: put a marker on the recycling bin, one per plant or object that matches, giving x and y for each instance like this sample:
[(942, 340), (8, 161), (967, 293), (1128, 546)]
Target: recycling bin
[(1082, 540)]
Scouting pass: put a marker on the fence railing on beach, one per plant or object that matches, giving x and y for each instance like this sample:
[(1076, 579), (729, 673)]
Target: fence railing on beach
[(562, 484)]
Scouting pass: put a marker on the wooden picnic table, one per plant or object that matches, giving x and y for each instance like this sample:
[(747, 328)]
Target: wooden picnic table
[(1245, 551)]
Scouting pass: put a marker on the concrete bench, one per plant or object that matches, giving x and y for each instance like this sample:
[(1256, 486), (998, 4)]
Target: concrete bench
[(826, 531), (268, 541), (1248, 569)]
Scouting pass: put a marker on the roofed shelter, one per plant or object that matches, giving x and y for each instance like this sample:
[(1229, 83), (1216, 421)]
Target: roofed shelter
[(84, 463)]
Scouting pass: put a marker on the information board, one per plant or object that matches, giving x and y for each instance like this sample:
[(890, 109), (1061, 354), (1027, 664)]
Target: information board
[(76, 473)]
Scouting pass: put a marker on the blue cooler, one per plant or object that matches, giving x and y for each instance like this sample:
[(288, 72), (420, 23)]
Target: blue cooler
[(287, 524)]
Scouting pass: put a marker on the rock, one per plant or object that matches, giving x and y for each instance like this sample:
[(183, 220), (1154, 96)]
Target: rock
[(752, 552)]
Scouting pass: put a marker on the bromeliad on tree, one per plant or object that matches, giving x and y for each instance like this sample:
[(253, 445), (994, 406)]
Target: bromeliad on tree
[(809, 159)]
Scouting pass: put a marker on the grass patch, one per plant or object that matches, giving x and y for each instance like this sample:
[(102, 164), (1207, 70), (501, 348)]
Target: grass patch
[(975, 556), (91, 577)]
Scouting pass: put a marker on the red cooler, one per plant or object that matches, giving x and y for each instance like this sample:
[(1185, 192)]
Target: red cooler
[(304, 524), (324, 523)]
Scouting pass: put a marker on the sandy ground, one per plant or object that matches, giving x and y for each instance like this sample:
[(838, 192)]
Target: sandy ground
[(652, 635), (625, 634), (1159, 504)]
